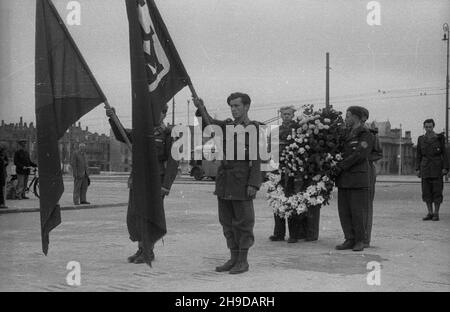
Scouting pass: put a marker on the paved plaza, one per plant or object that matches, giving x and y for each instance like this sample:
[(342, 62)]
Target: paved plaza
[(413, 255)]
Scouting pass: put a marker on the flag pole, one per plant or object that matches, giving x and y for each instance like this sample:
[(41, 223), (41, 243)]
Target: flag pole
[(94, 81)]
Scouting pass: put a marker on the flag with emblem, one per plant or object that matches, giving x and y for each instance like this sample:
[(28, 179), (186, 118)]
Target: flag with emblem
[(157, 74), (65, 90)]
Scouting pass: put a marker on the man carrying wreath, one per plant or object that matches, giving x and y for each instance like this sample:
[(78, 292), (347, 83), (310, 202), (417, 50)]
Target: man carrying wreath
[(353, 180)]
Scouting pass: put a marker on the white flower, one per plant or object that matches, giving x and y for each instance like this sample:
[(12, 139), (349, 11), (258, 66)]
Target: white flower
[(289, 137), (327, 120), (316, 131), (307, 147), (321, 185), (338, 157), (320, 199), (301, 150)]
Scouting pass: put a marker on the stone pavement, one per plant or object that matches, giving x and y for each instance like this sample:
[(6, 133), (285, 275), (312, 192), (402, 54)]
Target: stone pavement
[(106, 190), (110, 190), (413, 255)]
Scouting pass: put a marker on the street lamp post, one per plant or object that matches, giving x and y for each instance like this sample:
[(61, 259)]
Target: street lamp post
[(446, 38)]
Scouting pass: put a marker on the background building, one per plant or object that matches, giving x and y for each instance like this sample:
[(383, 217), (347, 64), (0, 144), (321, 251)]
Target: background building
[(97, 146), (390, 141)]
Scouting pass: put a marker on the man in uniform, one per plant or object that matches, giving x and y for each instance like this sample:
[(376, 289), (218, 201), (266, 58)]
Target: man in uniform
[(23, 163), (432, 165), (375, 155), (237, 182), (295, 226), (168, 172), (81, 181), (353, 181)]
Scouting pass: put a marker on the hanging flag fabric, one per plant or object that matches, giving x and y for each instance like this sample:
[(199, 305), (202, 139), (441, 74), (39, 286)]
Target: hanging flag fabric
[(65, 90), (157, 74)]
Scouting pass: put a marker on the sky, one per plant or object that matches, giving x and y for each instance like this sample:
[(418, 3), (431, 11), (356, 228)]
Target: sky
[(274, 50)]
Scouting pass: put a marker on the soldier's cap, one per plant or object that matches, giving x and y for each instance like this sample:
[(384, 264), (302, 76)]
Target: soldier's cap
[(288, 109), (358, 111)]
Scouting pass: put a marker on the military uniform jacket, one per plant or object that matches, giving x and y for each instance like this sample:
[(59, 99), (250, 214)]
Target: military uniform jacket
[(79, 165), (163, 140), (234, 176), (354, 168), (431, 156), (21, 160)]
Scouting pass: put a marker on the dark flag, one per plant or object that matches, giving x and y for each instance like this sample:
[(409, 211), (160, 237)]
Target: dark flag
[(65, 90), (157, 74)]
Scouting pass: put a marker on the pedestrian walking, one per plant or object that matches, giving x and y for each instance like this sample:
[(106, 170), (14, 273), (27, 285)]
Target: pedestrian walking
[(237, 182), (353, 181), (80, 173), (432, 165)]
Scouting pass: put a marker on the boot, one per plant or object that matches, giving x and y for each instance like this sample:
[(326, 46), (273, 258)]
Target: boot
[(436, 212), (359, 246), (143, 258), (135, 256), (230, 263), (430, 212), (428, 217), (348, 244), (274, 238), (241, 265)]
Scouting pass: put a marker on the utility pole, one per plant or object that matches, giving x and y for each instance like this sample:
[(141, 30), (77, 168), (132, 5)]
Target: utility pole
[(446, 38), (327, 94), (400, 153), (173, 111)]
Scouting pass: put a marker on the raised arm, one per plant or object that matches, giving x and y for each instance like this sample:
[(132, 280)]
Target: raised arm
[(114, 127)]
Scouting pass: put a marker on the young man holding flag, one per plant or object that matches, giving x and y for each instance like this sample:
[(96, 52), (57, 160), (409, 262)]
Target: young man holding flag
[(237, 182), (167, 169)]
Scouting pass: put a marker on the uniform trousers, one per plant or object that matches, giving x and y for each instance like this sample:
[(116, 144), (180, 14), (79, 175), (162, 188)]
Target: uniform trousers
[(369, 220), (353, 205), (432, 190), (237, 218)]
